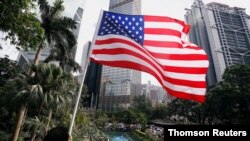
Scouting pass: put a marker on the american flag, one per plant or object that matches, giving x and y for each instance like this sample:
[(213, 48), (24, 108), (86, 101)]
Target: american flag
[(155, 45)]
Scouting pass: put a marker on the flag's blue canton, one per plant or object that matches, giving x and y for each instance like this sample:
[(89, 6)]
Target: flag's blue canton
[(131, 26)]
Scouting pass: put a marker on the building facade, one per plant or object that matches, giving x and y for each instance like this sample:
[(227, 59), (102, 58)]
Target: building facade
[(119, 85), (223, 32), (156, 94)]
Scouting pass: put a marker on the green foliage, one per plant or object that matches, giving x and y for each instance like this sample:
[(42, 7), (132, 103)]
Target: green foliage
[(85, 96), (21, 25), (85, 128), (160, 112), (226, 103), (8, 69), (230, 99), (101, 119), (57, 85), (36, 125), (185, 111), (143, 104), (4, 136), (50, 87), (127, 116)]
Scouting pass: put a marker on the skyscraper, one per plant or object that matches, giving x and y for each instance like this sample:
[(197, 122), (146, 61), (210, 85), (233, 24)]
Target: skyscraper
[(119, 86), (224, 33)]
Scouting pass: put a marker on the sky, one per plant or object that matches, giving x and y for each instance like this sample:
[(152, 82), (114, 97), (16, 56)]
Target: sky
[(171, 8)]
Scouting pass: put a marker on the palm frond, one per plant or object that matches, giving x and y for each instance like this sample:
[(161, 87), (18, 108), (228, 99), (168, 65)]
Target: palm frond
[(57, 8), (36, 125), (69, 36), (72, 63), (44, 6), (68, 22)]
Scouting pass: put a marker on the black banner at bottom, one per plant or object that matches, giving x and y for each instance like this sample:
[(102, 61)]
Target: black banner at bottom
[(200, 131)]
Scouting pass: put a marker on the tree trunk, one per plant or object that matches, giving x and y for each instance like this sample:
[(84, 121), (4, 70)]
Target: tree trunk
[(36, 59), (38, 54), (19, 122), (49, 118), (40, 109)]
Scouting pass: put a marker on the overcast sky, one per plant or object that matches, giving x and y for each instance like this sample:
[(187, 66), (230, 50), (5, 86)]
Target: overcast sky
[(171, 8), (174, 8)]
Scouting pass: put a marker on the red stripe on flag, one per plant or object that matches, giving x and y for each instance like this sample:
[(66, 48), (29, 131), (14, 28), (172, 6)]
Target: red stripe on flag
[(162, 44)]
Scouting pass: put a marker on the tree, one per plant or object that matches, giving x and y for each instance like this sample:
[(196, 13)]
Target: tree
[(8, 70), (57, 85), (20, 24), (100, 119), (143, 104), (187, 112), (229, 100), (29, 93), (57, 29), (160, 112)]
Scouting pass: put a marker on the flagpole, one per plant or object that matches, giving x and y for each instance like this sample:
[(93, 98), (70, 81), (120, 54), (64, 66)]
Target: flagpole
[(84, 75)]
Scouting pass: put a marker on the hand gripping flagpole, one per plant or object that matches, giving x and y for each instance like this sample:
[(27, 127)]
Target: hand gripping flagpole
[(84, 74)]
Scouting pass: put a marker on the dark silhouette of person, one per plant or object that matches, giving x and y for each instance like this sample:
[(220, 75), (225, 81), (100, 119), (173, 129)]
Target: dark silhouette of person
[(58, 133)]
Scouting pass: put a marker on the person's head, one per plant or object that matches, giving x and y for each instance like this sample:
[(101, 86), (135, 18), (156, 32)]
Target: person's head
[(58, 133)]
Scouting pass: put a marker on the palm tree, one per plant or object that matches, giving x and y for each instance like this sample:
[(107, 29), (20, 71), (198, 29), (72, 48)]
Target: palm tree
[(57, 28), (57, 31), (58, 87), (29, 93)]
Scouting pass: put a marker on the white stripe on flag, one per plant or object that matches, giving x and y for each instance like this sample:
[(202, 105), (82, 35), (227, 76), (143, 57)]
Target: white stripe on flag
[(177, 63), (163, 25), (173, 50), (165, 38)]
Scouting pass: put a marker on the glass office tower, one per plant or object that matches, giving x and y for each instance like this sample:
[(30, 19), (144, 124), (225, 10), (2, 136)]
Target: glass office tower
[(224, 33)]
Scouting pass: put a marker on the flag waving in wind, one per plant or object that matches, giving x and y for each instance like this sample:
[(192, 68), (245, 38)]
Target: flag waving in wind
[(155, 45)]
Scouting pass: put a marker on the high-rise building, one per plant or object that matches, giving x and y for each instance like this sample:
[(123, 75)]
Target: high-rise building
[(92, 81), (118, 85), (224, 33), (155, 94), (125, 6)]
